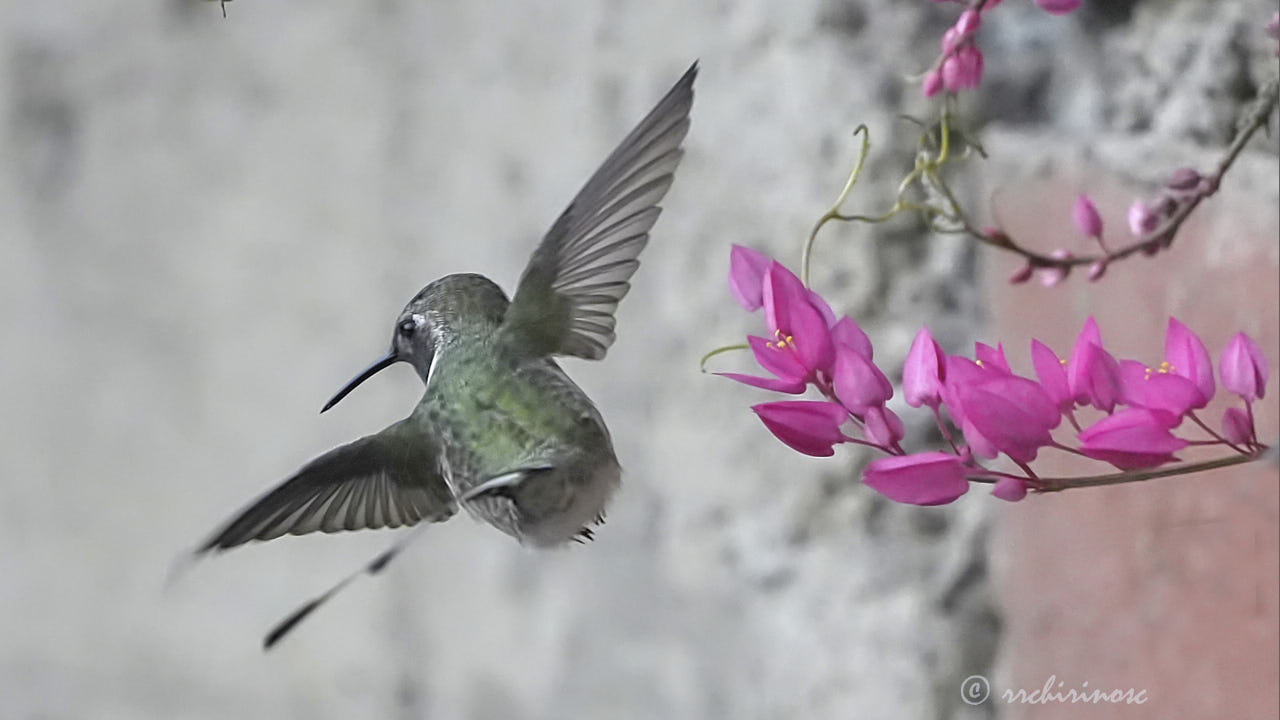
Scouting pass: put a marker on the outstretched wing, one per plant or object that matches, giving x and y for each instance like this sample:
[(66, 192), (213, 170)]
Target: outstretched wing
[(565, 302), (388, 479)]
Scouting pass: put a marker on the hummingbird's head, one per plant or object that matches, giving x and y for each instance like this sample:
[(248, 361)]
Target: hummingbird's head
[(441, 312)]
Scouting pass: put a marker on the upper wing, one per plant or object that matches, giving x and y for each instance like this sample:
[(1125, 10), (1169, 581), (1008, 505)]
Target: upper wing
[(388, 479), (566, 298)]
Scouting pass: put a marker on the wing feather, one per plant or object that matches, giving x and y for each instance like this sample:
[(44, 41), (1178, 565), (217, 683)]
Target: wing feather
[(389, 479), (567, 297)]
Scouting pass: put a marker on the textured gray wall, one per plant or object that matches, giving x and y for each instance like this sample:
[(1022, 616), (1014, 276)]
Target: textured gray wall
[(209, 225)]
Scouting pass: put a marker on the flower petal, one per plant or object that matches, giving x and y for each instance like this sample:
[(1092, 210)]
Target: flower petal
[(746, 276), (849, 333), (790, 314), (1011, 489), (781, 290), (991, 357), (930, 478), (1052, 375), (859, 384), (924, 371), (1012, 413), (824, 309), (791, 387), (1185, 351), (811, 427), (884, 427), (1131, 439), (1236, 426), (780, 361), (1094, 377)]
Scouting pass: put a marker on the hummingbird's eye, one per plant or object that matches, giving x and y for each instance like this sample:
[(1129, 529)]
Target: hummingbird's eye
[(407, 327)]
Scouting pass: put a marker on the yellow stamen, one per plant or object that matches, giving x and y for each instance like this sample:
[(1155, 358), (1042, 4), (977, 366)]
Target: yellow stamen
[(783, 341)]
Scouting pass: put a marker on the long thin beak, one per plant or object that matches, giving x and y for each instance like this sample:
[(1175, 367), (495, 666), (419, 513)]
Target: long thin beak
[(383, 362)]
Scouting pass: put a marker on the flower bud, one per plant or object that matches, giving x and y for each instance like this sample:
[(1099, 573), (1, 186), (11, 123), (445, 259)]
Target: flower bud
[(969, 22), (1022, 274), (1236, 427), (1054, 274), (1142, 219), (1243, 368), (1086, 217), (1183, 178), (1097, 270), (997, 236)]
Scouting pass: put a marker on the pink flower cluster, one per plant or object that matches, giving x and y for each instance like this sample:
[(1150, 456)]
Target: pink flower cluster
[(996, 411), (808, 345), (961, 63)]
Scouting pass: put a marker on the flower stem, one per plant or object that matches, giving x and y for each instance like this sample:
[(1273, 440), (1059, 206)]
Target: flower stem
[(702, 364), (1255, 119), (833, 213), (1059, 484)]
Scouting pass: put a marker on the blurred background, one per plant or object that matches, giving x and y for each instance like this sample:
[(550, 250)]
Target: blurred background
[(207, 226)]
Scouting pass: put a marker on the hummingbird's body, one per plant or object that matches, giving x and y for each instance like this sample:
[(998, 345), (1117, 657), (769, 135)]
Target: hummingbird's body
[(500, 429), (506, 415)]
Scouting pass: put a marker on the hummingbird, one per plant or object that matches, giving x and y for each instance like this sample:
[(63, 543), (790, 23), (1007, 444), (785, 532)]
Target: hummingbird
[(501, 431)]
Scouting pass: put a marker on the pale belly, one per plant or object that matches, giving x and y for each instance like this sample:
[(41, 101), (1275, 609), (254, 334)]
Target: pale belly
[(585, 506)]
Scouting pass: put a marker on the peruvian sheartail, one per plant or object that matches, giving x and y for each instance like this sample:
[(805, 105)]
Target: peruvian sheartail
[(501, 431)]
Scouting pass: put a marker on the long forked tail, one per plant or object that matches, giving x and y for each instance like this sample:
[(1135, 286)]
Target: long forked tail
[(374, 567)]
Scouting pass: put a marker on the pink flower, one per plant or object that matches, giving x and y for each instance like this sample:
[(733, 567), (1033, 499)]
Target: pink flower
[(746, 276), (859, 384), (1086, 216), (1059, 7), (999, 412), (1011, 489), (1237, 428), (1243, 368), (930, 478), (808, 426), (962, 70), (924, 371), (1131, 439), (1184, 350), (795, 323)]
